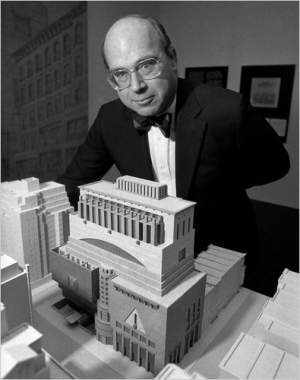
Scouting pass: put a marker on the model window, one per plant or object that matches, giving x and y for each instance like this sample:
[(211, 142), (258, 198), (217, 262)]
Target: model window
[(181, 255)]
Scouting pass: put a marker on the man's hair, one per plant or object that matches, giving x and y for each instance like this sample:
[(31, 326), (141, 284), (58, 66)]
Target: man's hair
[(165, 39)]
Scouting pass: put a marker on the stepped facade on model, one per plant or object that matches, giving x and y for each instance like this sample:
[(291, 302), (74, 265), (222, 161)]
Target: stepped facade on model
[(34, 219)]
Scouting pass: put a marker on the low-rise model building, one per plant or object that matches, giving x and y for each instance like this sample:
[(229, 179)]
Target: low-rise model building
[(22, 356), (270, 349), (15, 293)]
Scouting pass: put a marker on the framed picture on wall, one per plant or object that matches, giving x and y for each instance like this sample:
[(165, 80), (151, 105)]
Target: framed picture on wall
[(215, 76), (269, 89)]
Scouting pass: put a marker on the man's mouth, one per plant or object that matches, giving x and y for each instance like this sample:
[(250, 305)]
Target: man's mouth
[(144, 102)]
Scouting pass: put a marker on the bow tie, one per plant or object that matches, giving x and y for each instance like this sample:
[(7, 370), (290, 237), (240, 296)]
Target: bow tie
[(144, 123)]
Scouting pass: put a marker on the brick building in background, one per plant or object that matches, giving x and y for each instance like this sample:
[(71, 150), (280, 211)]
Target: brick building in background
[(45, 112)]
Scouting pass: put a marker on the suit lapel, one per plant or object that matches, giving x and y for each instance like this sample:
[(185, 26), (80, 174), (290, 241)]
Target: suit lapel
[(190, 131)]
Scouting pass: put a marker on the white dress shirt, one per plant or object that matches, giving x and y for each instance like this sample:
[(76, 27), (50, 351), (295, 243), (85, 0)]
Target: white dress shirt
[(162, 151)]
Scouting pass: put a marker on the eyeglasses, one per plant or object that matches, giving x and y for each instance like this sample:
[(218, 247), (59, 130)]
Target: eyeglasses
[(149, 68)]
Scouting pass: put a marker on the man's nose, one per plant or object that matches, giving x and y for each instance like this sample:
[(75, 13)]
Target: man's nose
[(137, 81)]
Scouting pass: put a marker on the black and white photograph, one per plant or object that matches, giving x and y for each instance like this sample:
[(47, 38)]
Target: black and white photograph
[(149, 190)]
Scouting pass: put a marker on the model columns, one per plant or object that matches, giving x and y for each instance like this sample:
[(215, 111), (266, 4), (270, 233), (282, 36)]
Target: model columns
[(141, 225)]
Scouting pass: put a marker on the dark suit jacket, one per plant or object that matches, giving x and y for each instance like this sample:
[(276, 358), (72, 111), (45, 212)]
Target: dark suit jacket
[(223, 147)]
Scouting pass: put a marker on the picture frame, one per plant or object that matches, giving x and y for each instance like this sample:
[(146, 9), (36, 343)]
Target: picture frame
[(269, 89), (215, 75)]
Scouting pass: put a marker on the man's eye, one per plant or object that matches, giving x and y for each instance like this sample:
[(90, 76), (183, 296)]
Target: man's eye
[(147, 65), (120, 74)]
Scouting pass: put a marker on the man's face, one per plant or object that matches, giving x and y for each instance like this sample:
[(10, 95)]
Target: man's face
[(127, 43)]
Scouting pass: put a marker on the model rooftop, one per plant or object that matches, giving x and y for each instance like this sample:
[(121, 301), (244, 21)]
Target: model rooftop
[(28, 185), (127, 189)]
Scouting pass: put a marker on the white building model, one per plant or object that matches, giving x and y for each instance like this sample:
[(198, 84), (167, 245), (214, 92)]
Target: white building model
[(129, 261), (270, 349), (34, 219), (15, 292), (22, 356)]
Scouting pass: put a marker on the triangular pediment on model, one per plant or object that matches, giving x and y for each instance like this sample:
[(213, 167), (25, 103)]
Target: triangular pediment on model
[(134, 320)]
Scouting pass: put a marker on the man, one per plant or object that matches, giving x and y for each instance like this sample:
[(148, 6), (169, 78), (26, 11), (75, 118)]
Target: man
[(217, 146)]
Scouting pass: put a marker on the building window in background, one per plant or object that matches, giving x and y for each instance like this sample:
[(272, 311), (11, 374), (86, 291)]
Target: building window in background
[(56, 49), (57, 79), (67, 45), (78, 65), (78, 34), (21, 73), (30, 92), (39, 88), (29, 68), (48, 84), (24, 121), (67, 74), (31, 118), (49, 109), (47, 56)]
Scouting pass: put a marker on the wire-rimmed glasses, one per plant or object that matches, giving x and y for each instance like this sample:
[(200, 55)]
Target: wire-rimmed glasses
[(149, 68)]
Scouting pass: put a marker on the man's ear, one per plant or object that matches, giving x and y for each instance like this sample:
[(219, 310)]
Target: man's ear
[(171, 53)]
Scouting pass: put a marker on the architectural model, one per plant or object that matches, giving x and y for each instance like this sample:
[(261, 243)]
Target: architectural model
[(129, 261), (15, 293), (172, 372), (225, 274), (34, 219), (21, 352), (270, 350)]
